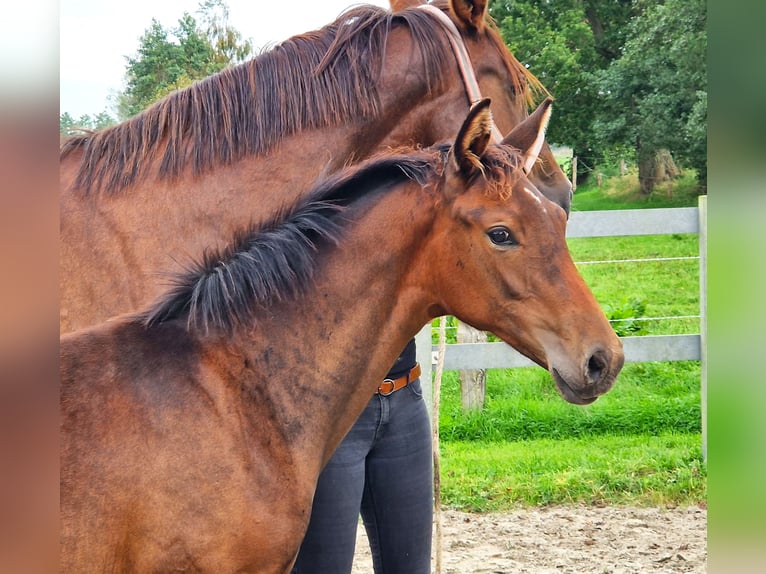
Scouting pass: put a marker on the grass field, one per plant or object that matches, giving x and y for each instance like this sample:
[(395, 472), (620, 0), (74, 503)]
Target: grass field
[(622, 193), (639, 444)]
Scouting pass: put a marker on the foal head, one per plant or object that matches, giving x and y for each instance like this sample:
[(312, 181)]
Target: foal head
[(504, 266)]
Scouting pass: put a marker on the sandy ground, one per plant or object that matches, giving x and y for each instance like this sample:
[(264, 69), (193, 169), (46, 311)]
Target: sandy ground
[(614, 540)]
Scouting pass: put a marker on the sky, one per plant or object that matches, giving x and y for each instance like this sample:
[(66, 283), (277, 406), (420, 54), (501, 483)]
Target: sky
[(95, 36)]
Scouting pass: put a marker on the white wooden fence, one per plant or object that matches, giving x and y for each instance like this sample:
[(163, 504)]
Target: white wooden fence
[(651, 348)]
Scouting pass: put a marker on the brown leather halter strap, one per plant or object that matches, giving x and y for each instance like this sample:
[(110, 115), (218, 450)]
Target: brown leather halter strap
[(463, 60)]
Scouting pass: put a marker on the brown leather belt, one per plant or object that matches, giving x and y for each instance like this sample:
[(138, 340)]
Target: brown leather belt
[(389, 386)]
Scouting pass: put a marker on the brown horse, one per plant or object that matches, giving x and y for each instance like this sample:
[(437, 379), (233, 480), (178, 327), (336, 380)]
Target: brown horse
[(207, 160), (193, 433)]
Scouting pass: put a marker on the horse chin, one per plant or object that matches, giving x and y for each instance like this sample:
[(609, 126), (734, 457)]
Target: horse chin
[(568, 393)]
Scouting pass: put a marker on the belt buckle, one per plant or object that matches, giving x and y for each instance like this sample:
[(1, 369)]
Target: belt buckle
[(390, 382)]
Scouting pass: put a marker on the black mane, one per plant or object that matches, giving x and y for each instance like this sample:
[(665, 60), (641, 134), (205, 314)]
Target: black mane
[(277, 261)]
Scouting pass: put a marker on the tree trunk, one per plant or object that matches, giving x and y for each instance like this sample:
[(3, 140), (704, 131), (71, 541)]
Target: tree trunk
[(664, 167), (645, 168), (473, 383), (655, 166)]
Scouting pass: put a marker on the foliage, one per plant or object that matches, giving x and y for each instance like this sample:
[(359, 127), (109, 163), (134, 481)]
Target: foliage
[(564, 42), (624, 73), (228, 45), (167, 60), (624, 316), (69, 126), (655, 95), (161, 65)]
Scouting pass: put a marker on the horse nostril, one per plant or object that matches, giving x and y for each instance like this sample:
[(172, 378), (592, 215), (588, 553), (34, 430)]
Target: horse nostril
[(597, 366)]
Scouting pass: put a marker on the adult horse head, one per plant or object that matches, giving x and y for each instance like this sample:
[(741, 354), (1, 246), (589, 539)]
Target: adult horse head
[(238, 146), (474, 38), (193, 434)]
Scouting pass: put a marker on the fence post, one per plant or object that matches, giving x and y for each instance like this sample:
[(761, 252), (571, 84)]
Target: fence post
[(702, 204), (425, 356), (574, 173), (473, 382)]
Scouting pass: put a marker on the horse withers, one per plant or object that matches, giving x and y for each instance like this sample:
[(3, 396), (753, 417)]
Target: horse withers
[(193, 433)]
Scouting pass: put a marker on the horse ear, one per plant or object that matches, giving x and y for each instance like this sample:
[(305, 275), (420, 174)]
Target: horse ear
[(399, 5), (470, 13), (472, 139), (529, 135)]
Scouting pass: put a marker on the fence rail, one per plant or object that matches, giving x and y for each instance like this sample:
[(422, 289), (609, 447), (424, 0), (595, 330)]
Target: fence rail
[(663, 221), (645, 349)]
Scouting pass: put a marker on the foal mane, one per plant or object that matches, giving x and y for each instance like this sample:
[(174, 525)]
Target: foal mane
[(277, 260), (317, 79)]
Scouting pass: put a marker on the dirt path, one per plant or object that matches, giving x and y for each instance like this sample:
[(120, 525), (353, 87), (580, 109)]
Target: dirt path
[(576, 540)]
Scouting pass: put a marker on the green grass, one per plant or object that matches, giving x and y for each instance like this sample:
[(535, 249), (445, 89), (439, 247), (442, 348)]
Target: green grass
[(623, 193), (640, 470), (640, 443), (667, 288), (523, 404)]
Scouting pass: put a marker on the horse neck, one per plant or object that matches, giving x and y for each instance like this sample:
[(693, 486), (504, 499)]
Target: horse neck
[(151, 225), (341, 338)]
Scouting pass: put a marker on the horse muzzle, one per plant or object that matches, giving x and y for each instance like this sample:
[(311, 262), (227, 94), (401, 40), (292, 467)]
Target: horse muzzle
[(595, 376)]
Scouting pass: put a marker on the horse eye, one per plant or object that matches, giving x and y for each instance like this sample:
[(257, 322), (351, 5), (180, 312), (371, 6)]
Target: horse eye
[(501, 236)]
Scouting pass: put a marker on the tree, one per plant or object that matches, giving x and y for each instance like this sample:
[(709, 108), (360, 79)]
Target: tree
[(228, 45), (655, 94), (68, 125), (162, 65), (564, 42), (167, 60), (625, 74)]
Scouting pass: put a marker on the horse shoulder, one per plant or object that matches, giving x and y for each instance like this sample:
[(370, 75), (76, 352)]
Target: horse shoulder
[(161, 412)]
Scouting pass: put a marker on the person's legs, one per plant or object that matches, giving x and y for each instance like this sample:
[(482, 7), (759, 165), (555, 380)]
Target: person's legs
[(328, 547), (397, 504)]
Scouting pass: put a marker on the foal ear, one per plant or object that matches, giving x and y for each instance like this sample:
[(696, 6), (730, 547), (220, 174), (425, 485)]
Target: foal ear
[(399, 5), (470, 13), (472, 139), (529, 135)]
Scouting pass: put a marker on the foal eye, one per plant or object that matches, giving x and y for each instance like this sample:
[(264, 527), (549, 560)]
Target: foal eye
[(501, 236)]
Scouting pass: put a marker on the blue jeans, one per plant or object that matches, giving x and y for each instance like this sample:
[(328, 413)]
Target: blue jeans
[(383, 469)]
